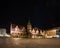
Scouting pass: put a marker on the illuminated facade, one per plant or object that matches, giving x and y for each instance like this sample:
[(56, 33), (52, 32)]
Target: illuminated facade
[(34, 33), (15, 31), (20, 31), (50, 33)]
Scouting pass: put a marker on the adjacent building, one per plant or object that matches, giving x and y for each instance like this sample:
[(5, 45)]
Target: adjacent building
[(50, 33), (3, 33), (17, 31)]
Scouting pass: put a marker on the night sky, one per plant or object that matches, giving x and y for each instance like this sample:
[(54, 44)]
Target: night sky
[(42, 13)]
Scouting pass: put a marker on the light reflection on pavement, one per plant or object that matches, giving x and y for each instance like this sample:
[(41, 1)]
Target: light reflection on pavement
[(29, 43)]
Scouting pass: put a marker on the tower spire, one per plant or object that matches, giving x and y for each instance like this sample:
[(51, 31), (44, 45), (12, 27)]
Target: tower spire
[(29, 21), (29, 26)]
